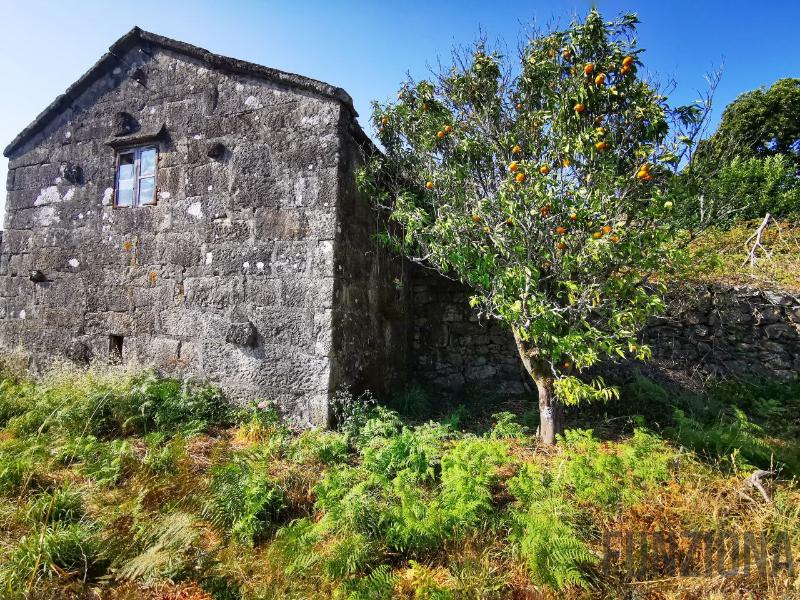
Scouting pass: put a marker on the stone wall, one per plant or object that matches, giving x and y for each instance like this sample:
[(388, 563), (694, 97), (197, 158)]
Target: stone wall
[(707, 330), (723, 330), (233, 274), (454, 352)]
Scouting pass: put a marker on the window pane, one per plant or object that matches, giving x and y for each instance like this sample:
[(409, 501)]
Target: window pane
[(148, 162), (125, 194), (125, 167), (147, 189)]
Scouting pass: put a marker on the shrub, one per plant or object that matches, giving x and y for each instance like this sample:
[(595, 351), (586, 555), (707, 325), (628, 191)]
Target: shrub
[(243, 501)]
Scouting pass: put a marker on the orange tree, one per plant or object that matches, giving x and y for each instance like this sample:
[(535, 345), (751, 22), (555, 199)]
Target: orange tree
[(542, 186)]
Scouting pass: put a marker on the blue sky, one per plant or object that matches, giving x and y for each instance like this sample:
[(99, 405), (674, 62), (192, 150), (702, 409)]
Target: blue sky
[(367, 47)]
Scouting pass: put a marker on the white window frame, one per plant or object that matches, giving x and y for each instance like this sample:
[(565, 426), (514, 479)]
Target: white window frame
[(137, 176)]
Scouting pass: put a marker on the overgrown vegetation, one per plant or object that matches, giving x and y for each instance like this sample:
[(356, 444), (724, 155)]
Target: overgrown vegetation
[(126, 485)]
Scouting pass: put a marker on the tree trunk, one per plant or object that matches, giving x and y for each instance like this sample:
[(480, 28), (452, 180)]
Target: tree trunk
[(551, 414)]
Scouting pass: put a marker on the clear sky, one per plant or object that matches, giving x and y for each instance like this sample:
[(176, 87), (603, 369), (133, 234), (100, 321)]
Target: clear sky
[(367, 47)]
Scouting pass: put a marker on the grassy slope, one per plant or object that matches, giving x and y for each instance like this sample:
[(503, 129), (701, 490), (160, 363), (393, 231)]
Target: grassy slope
[(129, 486), (720, 256)]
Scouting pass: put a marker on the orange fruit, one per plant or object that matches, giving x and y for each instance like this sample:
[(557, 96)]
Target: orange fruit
[(580, 107), (573, 217), (627, 61), (516, 150), (429, 185), (440, 134), (513, 167), (487, 230), (566, 55), (448, 128), (567, 365), (519, 106), (606, 228), (597, 235), (601, 146), (544, 169), (565, 163), (600, 131), (588, 69), (520, 177), (545, 210), (600, 79), (561, 246), (614, 238), (561, 230), (384, 120), (476, 218), (625, 70)]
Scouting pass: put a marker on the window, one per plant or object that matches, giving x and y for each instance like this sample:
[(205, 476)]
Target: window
[(136, 177), (115, 349)]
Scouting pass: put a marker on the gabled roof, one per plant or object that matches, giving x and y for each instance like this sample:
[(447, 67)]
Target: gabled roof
[(221, 63)]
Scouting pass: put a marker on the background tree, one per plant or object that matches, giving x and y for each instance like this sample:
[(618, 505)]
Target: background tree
[(540, 184), (758, 124), (750, 165)]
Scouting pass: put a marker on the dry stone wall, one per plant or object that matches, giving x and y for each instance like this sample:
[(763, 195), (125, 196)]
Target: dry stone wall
[(707, 330), (729, 330)]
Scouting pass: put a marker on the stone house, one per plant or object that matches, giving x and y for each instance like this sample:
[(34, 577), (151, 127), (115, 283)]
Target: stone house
[(199, 213)]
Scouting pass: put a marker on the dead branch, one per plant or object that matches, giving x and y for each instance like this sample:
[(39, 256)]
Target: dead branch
[(751, 256), (755, 481)]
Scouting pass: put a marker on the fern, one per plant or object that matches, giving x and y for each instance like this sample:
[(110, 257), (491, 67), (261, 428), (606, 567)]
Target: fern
[(378, 585), (242, 501), (548, 541), (167, 549)]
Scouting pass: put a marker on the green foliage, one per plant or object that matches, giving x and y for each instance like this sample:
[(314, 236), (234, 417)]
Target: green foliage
[(53, 550), (103, 405), (732, 438), (742, 189), (20, 463), (506, 426), (243, 500), (104, 462), (380, 509), (378, 585), (64, 504), (758, 123), (548, 541), (541, 186), (608, 476)]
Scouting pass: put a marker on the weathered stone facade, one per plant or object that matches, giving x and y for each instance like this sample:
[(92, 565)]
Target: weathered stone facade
[(255, 266)]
